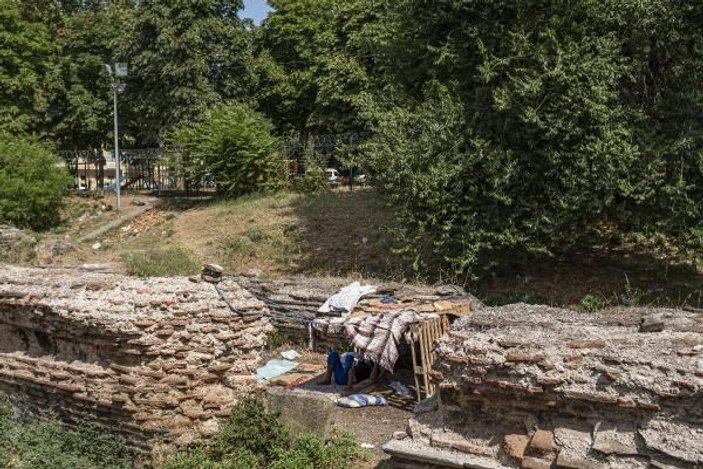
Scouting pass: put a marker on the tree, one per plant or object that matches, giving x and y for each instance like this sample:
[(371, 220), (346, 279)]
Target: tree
[(24, 48), (234, 146), (185, 57), (32, 183), (317, 65), (537, 123), (79, 93)]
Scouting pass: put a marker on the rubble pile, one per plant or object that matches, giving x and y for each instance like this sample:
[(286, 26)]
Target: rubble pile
[(537, 387), (159, 361), (9, 235)]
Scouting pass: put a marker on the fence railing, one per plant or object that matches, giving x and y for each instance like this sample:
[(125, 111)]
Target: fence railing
[(163, 169), (144, 169)]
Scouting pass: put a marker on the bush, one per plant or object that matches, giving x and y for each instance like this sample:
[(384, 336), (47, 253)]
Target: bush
[(519, 130), (310, 451), (593, 302), (161, 263), (250, 428), (255, 438), (314, 180), (45, 445), (32, 183), (233, 146), (198, 458)]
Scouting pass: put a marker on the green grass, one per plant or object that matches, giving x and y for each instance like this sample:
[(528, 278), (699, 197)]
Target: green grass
[(167, 262), (592, 302)]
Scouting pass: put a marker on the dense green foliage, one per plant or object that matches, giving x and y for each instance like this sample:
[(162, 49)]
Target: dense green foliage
[(24, 46), (544, 127), (32, 183), (79, 95), (185, 57), (233, 146), (254, 438), (511, 126), (314, 180), (41, 445), (504, 127)]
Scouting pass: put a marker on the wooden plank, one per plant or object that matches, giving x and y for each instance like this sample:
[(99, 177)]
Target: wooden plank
[(415, 367), (426, 359), (435, 336), (421, 344)]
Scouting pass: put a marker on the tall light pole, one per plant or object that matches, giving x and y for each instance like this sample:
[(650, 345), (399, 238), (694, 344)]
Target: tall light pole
[(117, 87)]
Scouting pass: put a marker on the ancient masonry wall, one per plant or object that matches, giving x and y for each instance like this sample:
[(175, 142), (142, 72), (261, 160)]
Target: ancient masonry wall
[(154, 360), (537, 387)]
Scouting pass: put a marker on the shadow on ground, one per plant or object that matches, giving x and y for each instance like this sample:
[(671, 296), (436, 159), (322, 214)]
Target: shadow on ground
[(345, 234), (611, 274)]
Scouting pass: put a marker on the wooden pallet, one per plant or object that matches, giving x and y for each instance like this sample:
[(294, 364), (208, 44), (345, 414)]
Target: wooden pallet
[(423, 337)]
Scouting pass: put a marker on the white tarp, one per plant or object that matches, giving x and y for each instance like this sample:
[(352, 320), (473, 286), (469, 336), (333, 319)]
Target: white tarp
[(347, 298)]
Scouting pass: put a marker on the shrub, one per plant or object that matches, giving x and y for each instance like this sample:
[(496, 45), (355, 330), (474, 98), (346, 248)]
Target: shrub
[(255, 439), (161, 263), (250, 428), (32, 183), (45, 445), (314, 180), (593, 302), (464, 199), (311, 451), (234, 146), (198, 458)]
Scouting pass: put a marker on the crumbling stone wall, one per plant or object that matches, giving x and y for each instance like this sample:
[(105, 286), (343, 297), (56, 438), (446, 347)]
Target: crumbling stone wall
[(295, 300), (538, 387), (155, 360)]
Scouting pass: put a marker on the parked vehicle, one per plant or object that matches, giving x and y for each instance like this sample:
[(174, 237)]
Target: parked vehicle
[(332, 177)]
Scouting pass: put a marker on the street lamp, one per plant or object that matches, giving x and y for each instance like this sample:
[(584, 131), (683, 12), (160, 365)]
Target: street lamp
[(120, 72)]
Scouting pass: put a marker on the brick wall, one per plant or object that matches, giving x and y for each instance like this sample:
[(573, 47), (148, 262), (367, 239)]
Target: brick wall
[(159, 361), (537, 387)]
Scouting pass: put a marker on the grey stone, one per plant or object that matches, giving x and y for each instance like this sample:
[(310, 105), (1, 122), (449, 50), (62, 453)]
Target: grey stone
[(652, 323), (613, 438), (302, 412)]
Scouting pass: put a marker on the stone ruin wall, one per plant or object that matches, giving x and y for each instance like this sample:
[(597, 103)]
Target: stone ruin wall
[(538, 388), (158, 361)]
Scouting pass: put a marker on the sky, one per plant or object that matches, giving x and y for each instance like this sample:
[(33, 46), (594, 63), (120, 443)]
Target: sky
[(256, 10)]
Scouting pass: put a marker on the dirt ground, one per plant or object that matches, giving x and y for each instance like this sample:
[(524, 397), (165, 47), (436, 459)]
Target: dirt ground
[(371, 425)]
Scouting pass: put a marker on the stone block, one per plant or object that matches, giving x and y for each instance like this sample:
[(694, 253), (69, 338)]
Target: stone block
[(542, 441), (302, 412), (515, 445), (617, 439)]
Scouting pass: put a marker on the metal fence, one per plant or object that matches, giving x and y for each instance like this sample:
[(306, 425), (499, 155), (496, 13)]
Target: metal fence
[(144, 169), (162, 169)]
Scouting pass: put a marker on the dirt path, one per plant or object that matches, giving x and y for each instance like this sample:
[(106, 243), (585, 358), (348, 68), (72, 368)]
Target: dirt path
[(129, 213)]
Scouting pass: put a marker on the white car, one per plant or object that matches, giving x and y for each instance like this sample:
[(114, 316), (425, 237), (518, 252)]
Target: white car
[(332, 176)]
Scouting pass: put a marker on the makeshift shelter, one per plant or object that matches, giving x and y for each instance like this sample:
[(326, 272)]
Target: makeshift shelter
[(375, 330)]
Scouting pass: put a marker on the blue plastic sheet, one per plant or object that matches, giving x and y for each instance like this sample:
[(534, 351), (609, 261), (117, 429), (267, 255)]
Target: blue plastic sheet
[(275, 368)]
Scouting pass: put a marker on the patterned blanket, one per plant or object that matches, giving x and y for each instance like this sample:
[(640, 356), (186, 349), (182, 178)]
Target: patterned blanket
[(374, 337)]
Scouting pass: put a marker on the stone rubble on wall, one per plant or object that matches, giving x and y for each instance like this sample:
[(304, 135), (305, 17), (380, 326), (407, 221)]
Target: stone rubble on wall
[(297, 299), (159, 361), (9, 235), (538, 387)]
